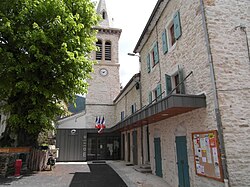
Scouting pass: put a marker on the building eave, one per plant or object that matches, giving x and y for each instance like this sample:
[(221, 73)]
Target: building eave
[(155, 15)]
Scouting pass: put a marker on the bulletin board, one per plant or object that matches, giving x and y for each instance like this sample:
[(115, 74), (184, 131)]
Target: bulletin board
[(207, 158)]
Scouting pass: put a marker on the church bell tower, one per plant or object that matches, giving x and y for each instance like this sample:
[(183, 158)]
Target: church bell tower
[(105, 83)]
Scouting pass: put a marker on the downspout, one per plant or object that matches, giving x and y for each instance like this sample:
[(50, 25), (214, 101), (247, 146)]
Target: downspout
[(215, 95)]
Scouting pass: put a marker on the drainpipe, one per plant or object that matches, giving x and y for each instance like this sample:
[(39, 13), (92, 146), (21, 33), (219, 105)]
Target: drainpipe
[(216, 102)]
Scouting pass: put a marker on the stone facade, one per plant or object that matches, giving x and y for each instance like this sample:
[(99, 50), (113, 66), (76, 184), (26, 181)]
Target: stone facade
[(223, 76), (227, 25)]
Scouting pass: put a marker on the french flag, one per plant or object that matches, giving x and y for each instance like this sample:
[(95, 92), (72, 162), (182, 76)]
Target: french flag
[(97, 122), (102, 125)]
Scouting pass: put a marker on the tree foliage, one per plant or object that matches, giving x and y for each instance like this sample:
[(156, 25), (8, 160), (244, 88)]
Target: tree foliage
[(45, 48)]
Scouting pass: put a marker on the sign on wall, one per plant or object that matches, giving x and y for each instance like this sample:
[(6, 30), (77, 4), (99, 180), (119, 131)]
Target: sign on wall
[(206, 155)]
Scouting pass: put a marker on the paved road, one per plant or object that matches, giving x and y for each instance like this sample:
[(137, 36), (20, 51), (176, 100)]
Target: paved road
[(70, 175)]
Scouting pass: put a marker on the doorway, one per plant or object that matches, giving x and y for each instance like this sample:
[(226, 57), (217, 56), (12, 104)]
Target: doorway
[(182, 161), (158, 164), (135, 155)]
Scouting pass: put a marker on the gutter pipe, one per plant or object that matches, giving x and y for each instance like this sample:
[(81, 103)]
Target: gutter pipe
[(215, 95)]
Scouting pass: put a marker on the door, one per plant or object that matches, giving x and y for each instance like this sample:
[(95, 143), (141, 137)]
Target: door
[(135, 156), (182, 161), (128, 136), (158, 165)]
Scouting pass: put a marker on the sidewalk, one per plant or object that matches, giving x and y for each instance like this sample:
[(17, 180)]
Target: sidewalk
[(134, 178)]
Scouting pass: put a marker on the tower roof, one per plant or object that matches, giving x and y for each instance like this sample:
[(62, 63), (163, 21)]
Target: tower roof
[(102, 10)]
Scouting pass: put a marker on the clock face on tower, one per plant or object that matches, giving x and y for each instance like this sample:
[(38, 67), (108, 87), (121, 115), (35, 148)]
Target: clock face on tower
[(103, 72)]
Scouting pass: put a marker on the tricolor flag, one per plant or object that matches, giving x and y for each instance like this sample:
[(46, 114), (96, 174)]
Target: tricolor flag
[(102, 125), (97, 122)]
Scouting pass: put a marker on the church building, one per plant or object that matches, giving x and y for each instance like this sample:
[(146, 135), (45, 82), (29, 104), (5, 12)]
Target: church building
[(77, 137)]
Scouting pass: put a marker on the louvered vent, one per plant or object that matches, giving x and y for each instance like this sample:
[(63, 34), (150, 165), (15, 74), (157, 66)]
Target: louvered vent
[(107, 51), (99, 52)]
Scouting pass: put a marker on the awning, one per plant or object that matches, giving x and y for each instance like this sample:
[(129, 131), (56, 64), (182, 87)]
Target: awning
[(167, 107)]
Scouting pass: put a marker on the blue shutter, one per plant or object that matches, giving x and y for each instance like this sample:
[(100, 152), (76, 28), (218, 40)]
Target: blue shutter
[(156, 54), (182, 86), (164, 42), (177, 25), (150, 97), (168, 84), (148, 63)]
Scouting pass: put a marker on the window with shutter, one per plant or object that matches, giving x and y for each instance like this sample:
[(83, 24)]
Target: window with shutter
[(155, 54), (173, 32), (133, 108), (148, 63), (168, 84), (99, 50), (177, 25), (164, 42), (174, 81), (150, 99), (158, 92), (122, 115)]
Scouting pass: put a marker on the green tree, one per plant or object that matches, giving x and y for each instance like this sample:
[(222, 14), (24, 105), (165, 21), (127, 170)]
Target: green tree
[(45, 48)]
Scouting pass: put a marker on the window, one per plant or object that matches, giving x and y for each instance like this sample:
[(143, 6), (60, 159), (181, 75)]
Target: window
[(152, 57), (133, 108), (172, 32), (103, 15), (107, 50), (158, 92), (150, 99), (99, 50), (122, 115), (172, 82)]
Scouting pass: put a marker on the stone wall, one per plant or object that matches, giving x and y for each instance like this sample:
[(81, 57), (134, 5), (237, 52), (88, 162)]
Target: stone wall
[(231, 64), (7, 163), (228, 24)]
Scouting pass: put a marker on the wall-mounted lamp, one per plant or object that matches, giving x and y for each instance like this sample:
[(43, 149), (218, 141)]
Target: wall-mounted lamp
[(134, 54)]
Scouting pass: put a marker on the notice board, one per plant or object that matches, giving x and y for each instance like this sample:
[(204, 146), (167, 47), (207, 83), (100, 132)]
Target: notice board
[(207, 158)]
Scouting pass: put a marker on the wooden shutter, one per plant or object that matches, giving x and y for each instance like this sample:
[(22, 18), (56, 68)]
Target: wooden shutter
[(177, 25), (182, 86), (148, 63), (168, 84), (156, 54), (164, 42)]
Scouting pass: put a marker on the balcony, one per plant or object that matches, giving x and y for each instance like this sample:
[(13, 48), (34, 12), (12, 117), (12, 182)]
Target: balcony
[(169, 106)]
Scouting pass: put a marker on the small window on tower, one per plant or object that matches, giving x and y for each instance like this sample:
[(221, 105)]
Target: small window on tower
[(107, 50), (103, 15), (99, 50)]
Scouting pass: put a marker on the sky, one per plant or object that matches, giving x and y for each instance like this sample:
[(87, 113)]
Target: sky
[(131, 16)]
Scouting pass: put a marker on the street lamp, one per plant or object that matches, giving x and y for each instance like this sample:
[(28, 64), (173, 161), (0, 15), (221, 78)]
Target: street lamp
[(134, 54)]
